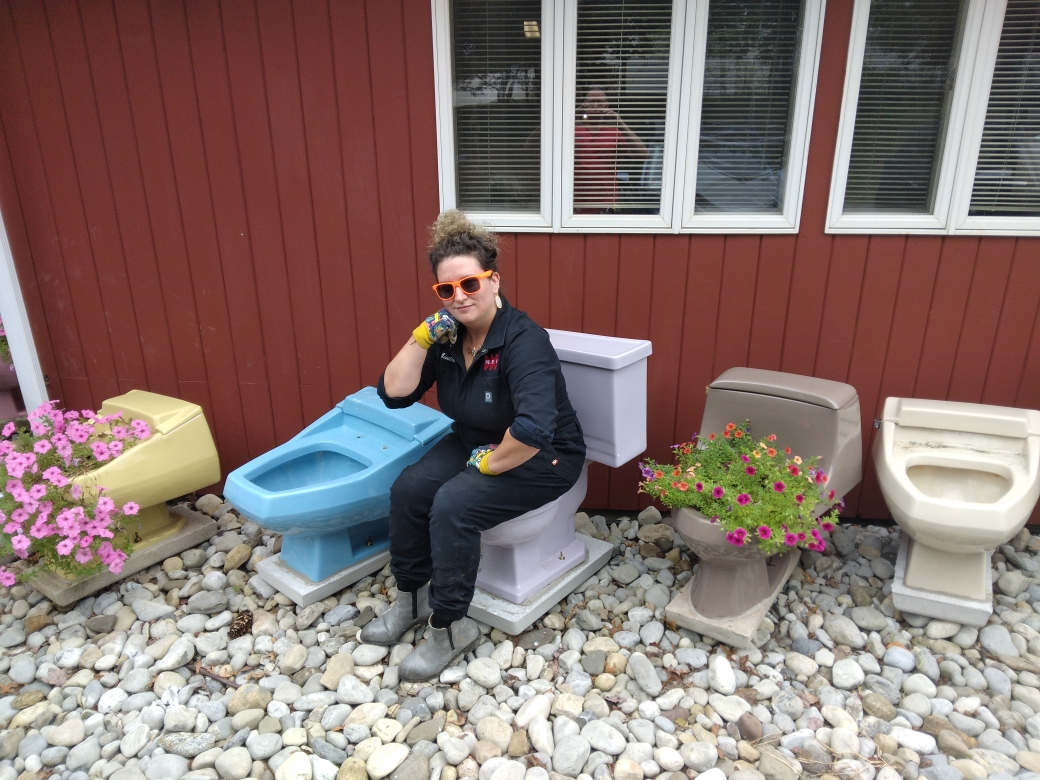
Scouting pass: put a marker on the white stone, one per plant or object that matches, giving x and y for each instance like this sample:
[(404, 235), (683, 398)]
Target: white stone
[(917, 741), (385, 759), (720, 675), (484, 672)]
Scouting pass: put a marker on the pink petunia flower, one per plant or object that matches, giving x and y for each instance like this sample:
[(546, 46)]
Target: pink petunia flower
[(717, 492), (765, 532), (779, 486), (7, 579), (84, 555), (130, 508), (827, 527), (750, 471), (9, 429), (42, 446), (20, 543), (743, 499), (799, 498), (699, 487), (790, 540)]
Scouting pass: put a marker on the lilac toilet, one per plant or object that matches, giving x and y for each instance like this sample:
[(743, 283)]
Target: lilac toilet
[(525, 561)]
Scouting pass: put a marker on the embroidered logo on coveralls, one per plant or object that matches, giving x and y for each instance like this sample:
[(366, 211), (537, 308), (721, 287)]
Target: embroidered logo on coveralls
[(491, 362)]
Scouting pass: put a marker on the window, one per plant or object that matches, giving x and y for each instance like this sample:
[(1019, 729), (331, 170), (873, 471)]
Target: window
[(626, 115), (940, 129), (497, 82)]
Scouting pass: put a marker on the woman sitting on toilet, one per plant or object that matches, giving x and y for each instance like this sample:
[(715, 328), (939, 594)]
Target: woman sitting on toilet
[(515, 444)]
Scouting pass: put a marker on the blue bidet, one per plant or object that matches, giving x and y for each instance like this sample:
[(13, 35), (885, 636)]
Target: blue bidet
[(327, 490)]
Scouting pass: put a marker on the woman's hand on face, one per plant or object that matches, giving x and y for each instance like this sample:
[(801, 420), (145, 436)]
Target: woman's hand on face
[(479, 458), (440, 327)]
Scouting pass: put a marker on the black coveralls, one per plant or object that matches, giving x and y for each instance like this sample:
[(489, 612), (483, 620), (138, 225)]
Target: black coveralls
[(438, 506)]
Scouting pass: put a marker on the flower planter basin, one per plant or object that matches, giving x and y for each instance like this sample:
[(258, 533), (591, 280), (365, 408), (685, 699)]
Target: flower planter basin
[(729, 580)]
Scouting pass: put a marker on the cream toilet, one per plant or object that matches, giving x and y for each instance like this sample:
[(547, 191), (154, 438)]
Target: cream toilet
[(960, 479), (531, 562)]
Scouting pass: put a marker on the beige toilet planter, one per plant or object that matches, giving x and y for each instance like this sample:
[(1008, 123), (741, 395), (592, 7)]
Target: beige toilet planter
[(730, 580), (178, 458)]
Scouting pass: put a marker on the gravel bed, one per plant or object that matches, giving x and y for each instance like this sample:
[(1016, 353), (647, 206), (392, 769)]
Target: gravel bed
[(197, 669)]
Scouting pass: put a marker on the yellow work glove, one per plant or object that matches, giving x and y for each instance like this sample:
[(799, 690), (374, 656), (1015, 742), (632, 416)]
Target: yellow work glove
[(479, 458), (437, 327)]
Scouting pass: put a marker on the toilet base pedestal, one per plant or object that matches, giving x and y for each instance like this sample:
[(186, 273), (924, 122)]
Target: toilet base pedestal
[(516, 618), (934, 604), (197, 528), (738, 630), (303, 591)]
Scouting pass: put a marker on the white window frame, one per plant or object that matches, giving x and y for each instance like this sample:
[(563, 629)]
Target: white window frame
[(31, 380), (983, 24), (682, 125)]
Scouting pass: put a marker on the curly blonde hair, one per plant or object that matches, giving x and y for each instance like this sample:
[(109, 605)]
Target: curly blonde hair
[(453, 234)]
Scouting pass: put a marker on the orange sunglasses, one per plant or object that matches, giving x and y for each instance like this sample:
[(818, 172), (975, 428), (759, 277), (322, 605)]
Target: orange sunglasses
[(468, 284)]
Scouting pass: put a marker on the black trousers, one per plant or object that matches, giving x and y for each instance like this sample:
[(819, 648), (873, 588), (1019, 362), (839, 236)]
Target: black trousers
[(439, 506)]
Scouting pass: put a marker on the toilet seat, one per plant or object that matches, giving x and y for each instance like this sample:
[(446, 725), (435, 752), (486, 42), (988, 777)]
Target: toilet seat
[(983, 459)]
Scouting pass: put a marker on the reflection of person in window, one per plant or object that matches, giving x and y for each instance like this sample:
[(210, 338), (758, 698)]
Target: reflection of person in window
[(599, 136)]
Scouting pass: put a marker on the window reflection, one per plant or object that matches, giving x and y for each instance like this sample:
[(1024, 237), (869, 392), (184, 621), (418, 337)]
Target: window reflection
[(620, 105), (750, 71)]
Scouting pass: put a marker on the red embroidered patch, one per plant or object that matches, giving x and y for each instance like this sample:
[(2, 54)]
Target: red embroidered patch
[(491, 362)]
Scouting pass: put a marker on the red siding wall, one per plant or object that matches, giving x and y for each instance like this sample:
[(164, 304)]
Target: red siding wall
[(226, 201)]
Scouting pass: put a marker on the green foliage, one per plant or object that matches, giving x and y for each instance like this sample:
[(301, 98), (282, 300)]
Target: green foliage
[(753, 489)]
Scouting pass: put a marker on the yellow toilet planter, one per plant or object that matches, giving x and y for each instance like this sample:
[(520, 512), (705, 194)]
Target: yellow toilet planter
[(179, 457)]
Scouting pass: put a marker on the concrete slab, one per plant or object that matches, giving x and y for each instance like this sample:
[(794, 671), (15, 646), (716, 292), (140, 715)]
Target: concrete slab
[(738, 630), (516, 618), (198, 528), (305, 592), (933, 604)]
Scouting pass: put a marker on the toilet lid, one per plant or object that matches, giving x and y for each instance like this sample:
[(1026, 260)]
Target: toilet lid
[(808, 389)]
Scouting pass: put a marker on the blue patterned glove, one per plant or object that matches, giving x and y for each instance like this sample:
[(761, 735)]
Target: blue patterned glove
[(479, 458), (437, 327)]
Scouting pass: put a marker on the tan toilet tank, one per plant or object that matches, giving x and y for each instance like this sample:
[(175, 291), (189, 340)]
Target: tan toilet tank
[(814, 417)]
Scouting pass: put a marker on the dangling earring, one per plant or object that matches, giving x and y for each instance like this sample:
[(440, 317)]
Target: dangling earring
[(498, 300)]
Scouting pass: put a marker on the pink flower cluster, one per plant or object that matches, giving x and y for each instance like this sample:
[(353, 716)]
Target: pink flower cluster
[(737, 537), (45, 511)]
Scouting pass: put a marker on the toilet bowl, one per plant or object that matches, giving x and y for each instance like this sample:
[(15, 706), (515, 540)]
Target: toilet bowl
[(733, 588), (960, 479), (606, 384), (327, 490), (178, 458)]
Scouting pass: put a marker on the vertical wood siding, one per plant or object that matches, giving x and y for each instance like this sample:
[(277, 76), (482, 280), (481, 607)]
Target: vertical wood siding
[(227, 201)]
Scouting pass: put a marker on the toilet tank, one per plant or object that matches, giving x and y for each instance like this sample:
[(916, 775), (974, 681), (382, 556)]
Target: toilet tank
[(606, 382), (814, 417)]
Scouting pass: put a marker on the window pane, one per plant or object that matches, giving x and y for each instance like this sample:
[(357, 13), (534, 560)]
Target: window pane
[(620, 102), (750, 71), (497, 83), (1007, 179), (901, 114)]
